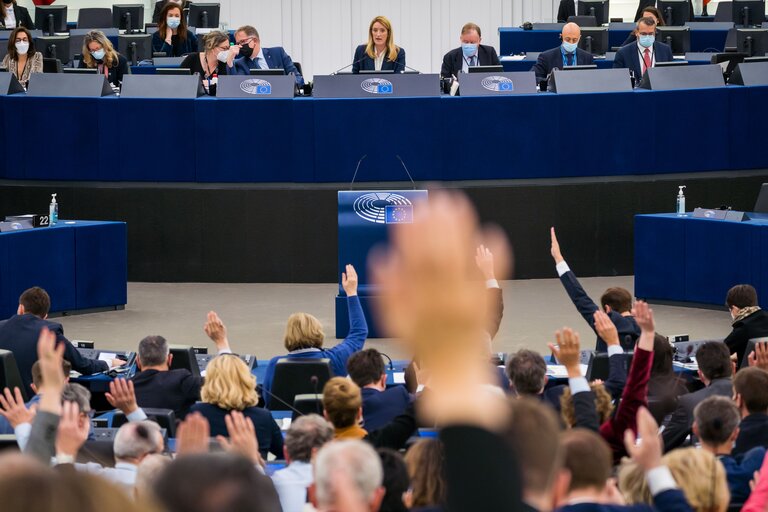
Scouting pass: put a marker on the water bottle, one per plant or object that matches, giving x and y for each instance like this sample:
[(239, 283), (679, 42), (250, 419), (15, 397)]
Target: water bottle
[(53, 211), (681, 201)]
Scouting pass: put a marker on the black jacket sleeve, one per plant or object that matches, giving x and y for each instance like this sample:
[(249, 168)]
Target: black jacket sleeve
[(71, 354), (617, 375), (396, 434), (585, 411), (446, 70), (23, 19), (678, 427)]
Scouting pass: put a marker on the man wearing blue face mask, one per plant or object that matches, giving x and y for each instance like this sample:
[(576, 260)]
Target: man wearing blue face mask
[(645, 53), (567, 54), (470, 54)]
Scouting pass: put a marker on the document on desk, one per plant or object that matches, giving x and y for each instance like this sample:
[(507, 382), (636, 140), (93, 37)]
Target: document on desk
[(107, 357), (398, 377), (558, 371)]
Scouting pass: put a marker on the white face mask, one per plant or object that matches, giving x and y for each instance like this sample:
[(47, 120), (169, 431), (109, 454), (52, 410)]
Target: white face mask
[(222, 56), (22, 47)]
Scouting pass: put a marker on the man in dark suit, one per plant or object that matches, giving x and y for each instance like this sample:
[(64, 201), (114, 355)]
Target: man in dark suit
[(157, 386), (470, 54), (380, 405), (749, 321), (566, 10), (645, 53), (750, 388), (715, 372), (20, 333), (254, 56), (567, 54)]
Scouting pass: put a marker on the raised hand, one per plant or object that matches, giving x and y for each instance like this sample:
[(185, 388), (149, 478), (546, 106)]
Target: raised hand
[(13, 408), (50, 354), (216, 330), (555, 247), (606, 329), (242, 437), (484, 261), (193, 435), (568, 351), (644, 317), (647, 452), (759, 357), (73, 430), (349, 281), (122, 396)]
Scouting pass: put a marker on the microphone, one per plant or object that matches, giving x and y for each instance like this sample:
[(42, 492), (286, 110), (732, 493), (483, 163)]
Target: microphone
[(391, 366), (409, 67), (349, 65), (282, 402), (356, 169), (314, 380), (414, 188)]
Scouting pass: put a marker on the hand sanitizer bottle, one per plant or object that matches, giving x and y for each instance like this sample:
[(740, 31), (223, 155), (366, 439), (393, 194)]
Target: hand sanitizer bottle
[(681, 201), (53, 211)]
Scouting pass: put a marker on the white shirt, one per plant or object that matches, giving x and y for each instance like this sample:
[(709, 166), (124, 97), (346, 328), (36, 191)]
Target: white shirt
[(641, 55), (291, 484), (123, 474), (261, 60), (10, 18), (379, 60)]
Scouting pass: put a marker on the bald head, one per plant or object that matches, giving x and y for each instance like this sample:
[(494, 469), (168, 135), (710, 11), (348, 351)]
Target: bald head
[(571, 33)]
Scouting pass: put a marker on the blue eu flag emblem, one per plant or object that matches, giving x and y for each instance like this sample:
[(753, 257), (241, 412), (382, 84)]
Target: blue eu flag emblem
[(399, 214)]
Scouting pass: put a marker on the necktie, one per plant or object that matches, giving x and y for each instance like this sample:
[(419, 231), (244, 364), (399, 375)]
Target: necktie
[(473, 61), (570, 59), (647, 59)]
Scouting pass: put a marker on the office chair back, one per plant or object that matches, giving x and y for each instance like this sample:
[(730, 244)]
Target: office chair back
[(166, 418), (295, 377), (307, 404), (184, 357), (599, 366), (10, 377)]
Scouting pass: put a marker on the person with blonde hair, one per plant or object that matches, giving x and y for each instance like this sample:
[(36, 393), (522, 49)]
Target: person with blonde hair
[(304, 336), (426, 467), (343, 407), (380, 53), (230, 386), (212, 62), (699, 474), (99, 53)]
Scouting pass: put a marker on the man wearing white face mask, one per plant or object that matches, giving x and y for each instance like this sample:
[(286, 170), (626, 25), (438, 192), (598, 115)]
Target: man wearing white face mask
[(22, 60), (470, 54), (644, 54), (567, 54)]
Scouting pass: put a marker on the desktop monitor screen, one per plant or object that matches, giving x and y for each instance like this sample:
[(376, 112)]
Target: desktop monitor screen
[(128, 17), (675, 12), (51, 18), (485, 69), (596, 8), (81, 71), (267, 72), (53, 47), (203, 15), (173, 71), (135, 47), (594, 40), (752, 41), (678, 38), (748, 13)]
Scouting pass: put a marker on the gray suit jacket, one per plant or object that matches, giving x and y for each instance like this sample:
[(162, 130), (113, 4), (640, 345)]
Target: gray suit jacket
[(42, 438), (680, 422)]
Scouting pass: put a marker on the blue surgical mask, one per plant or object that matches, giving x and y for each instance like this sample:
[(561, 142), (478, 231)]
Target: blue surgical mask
[(98, 54), (647, 41), (570, 47), (173, 22), (468, 49)]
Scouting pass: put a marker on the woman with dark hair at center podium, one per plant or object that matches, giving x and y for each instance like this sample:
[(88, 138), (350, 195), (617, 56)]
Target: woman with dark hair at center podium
[(380, 53), (172, 37)]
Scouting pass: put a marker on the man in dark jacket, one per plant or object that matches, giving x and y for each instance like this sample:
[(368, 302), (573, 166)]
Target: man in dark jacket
[(749, 321), (470, 54), (750, 389)]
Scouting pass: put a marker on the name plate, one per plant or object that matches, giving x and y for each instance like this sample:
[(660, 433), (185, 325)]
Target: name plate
[(497, 84), (683, 77), (385, 85), (63, 84), (264, 87), (590, 80)]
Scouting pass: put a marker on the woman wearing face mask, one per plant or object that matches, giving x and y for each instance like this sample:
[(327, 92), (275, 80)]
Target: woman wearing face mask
[(211, 63), (380, 53), (99, 53), (22, 59), (162, 3), (15, 16), (172, 37)]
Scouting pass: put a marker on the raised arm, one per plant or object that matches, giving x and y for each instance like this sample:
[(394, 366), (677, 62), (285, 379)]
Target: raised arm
[(495, 297), (584, 304), (358, 328), (568, 352), (617, 372)]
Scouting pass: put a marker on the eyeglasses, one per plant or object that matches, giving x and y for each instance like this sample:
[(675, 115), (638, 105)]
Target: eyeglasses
[(245, 41)]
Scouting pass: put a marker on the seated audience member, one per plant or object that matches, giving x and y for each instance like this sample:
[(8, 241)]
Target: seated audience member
[(162, 3), (37, 379), (304, 438), (380, 53), (645, 6), (396, 482), (567, 54), (565, 10), (749, 321), (426, 468), (212, 62), (715, 372), (20, 333), (253, 56), (470, 54), (650, 12), (527, 374), (688, 467), (230, 386), (172, 37), (615, 302), (750, 389), (646, 53), (22, 60), (304, 336), (380, 405), (149, 470), (665, 384), (716, 423), (348, 462), (99, 53), (15, 16), (157, 386)]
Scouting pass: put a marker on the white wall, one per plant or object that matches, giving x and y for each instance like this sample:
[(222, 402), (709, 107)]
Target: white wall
[(322, 34)]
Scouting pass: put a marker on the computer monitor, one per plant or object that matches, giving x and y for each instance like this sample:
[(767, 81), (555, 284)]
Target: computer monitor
[(486, 69), (761, 205), (81, 71), (267, 72), (53, 47), (671, 64), (675, 12), (135, 47), (583, 21), (752, 41), (576, 68), (748, 13), (596, 8), (52, 66), (203, 15), (594, 40), (173, 71), (128, 17), (51, 18), (678, 38)]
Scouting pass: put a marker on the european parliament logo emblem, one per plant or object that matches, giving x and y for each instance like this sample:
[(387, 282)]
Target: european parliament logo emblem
[(256, 86), (498, 84), (383, 208), (377, 86)]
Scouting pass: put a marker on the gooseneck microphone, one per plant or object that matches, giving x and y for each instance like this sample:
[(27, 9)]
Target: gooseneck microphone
[(414, 188), (356, 169)]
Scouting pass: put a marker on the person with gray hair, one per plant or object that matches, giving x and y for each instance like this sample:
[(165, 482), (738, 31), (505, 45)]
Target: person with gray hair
[(352, 461), (304, 438), (157, 386)]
